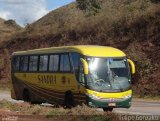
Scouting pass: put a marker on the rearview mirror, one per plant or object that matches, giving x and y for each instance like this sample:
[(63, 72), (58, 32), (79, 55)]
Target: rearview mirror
[(85, 65), (132, 66)]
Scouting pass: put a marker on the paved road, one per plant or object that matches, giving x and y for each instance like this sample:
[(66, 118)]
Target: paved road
[(139, 106)]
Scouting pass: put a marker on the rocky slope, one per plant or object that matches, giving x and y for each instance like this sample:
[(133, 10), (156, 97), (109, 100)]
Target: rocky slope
[(130, 25)]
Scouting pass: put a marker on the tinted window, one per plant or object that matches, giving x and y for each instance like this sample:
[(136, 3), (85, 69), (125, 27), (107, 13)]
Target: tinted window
[(53, 62), (43, 63), (65, 63), (24, 63), (81, 76), (76, 60), (15, 65), (33, 63)]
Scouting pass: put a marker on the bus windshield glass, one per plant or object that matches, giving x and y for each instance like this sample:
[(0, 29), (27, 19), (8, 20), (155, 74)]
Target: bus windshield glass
[(108, 74)]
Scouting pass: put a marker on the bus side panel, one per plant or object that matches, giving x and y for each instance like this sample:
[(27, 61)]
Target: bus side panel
[(52, 87), (16, 89), (13, 93)]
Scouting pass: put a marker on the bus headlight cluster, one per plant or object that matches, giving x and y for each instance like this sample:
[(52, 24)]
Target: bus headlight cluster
[(127, 96), (93, 96)]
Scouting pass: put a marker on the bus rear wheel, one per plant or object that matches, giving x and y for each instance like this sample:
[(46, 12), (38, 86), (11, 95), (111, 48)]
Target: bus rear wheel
[(26, 95), (109, 109), (69, 100)]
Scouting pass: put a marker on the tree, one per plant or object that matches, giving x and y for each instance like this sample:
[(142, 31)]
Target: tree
[(91, 7)]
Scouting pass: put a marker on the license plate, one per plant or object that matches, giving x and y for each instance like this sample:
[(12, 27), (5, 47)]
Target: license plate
[(112, 104)]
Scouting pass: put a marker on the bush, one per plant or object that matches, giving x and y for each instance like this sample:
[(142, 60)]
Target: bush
[(10, 22), (91, 7)]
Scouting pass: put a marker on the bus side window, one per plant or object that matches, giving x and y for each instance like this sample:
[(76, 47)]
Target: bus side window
[(16, 63), (76, 61), (53, 63), (33, 63), (24, 63), (43, 63), (65, 65)]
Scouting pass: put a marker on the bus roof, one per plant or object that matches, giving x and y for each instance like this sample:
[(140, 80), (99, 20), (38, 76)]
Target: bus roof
[(88, 50)]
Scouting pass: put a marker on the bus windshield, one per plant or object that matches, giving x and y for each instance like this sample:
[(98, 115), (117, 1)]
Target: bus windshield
[(108, 74)]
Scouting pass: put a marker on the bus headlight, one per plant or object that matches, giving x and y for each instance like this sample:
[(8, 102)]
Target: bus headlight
[(93, 96), (127, 96)]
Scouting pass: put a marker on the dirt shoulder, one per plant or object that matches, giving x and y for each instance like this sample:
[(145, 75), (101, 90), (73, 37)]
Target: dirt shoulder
[(148, 99)]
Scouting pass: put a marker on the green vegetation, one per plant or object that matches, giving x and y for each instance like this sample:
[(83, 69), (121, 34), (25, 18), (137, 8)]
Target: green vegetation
[(91, 7), (10, 22)]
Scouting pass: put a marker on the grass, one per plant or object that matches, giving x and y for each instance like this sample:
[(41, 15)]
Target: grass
[(79, 113)]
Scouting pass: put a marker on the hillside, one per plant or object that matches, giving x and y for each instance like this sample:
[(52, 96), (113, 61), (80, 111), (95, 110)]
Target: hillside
[(7, 29), (130, 25)]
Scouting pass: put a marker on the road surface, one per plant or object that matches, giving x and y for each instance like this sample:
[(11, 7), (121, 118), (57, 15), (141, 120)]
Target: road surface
[(139, 106)]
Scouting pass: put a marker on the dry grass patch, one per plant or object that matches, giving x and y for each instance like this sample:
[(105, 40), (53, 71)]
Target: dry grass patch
[(79, 113)]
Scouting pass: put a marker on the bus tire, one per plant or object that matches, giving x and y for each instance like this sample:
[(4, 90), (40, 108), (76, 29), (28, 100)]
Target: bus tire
[(69, 99), (26, 95), (109, 109), (35, 102)]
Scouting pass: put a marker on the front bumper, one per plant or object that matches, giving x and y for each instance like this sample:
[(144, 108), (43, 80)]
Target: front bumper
[(119, 103)]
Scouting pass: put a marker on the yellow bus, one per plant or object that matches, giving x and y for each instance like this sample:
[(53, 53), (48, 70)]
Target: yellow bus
[(98, 76)]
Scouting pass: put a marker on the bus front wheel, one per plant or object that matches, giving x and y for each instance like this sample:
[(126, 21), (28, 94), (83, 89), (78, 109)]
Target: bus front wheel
[(109, 109)]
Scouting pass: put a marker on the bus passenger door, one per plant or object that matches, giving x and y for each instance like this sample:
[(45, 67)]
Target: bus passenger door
[(67, 75), (78, 71)]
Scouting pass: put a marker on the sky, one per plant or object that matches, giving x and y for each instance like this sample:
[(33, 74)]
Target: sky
[(28, 11)]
